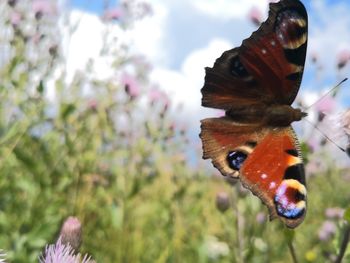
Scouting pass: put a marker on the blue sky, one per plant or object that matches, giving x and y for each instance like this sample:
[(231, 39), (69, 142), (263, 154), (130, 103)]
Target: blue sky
[(94, 6)]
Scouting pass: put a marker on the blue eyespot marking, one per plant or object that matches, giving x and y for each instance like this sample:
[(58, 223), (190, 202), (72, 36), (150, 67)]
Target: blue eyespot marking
[(290, 199), (236, 159)]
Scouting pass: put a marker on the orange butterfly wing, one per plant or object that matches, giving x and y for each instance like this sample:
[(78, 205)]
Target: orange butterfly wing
[(266, 160)]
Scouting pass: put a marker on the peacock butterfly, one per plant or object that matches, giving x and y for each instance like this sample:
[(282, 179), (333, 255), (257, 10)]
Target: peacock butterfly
[(256, 84)]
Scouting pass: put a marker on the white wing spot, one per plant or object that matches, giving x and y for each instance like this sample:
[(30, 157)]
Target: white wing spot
[(263, 176), (272, 185), (264, 51)]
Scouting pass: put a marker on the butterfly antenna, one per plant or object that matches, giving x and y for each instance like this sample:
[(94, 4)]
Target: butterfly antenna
[(330, 91), (325, 135)]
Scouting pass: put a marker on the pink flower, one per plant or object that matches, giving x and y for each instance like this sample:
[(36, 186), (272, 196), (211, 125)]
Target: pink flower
[(326, 105), (343, 58), (41, 7), (334, 213), (261, 218), (256, 16), (155, 95), (113, 14), (15, 18), (59, 253), (345, 122), (92, 104), (345, 119), (327, 231), (132, 87)]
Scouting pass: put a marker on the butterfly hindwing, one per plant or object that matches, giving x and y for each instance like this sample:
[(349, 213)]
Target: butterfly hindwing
[(267, 161), (267, 67), (274, 171)]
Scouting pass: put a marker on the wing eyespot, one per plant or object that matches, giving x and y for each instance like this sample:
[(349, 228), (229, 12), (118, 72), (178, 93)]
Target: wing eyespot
[(235, 159)]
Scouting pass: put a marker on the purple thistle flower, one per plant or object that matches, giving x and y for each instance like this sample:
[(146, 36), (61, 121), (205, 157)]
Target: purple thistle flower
[(326, 105), (132, 87), (343, 58), (334, 213), (59, 253), (327, 230), (15, 18), (113, 14), (256, 16), (44, 7)]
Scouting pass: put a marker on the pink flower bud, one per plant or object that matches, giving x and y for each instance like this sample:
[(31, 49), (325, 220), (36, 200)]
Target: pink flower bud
[(113, 14), (132, 87), (71, 232), (222, 201), (343, 58), (256, 16)]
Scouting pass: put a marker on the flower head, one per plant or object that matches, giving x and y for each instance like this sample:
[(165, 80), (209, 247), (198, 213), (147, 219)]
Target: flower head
[(59, 253), (15, 18), (327, 230), (343, 58), (326, 105), (334, 213), (113, 14), (256, 16), (131, 85), (43, 7)]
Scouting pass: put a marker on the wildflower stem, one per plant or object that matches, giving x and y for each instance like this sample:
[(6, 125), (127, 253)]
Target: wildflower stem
[(239, 227), (344, 244), (292, 251)]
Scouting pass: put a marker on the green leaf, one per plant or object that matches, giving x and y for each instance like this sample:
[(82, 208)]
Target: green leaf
[(347, 215), (66, 110), (40, 87)]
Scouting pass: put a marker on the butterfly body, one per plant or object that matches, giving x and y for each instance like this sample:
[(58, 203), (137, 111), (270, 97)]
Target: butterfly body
[(256, 84), (266, 115)]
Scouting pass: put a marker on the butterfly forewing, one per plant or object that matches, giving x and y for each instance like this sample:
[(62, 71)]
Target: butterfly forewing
[(267, 66)]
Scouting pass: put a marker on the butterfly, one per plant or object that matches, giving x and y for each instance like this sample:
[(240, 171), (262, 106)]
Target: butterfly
[(255, 84)]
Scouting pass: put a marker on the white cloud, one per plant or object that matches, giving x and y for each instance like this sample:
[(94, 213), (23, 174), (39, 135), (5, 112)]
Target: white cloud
[(184, 85), (228, 9), (147, 35), (85, 43)]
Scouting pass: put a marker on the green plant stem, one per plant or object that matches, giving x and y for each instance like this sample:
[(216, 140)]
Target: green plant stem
[(239, 227), (292, 252), (344, 244)]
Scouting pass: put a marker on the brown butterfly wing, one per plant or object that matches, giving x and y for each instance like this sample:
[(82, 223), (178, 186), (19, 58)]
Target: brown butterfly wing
[(266, 160), (267, 67)]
